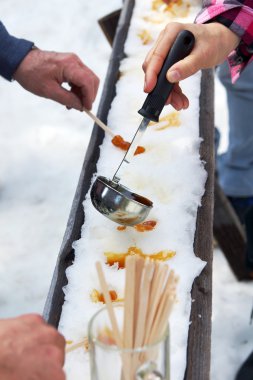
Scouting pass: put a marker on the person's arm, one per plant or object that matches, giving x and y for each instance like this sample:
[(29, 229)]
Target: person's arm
[(215, 41), (43, 72), (30, 349), (12, 52), (237, 16)]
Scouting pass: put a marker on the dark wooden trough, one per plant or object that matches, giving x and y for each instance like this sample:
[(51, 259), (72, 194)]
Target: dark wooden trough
[(199, 338)]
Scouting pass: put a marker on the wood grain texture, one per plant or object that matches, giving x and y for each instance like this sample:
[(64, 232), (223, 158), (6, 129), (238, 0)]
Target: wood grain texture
[(199, 339)]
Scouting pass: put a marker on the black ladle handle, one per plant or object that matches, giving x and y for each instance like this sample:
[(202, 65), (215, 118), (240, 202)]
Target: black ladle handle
[(155, 101)]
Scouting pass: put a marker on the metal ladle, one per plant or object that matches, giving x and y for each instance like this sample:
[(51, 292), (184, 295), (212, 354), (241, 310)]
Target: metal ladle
[(111, 198)]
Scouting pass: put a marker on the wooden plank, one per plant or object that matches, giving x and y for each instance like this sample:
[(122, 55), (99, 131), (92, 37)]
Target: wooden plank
[(230, 235), (199, 339), (109, 24)]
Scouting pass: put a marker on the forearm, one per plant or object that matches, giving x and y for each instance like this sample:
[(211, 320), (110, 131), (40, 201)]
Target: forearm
[(12, 52), (236, 15), (224, 28)]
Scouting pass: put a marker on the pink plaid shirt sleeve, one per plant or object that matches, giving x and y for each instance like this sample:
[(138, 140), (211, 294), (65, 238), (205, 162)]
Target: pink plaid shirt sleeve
[(237, 15)]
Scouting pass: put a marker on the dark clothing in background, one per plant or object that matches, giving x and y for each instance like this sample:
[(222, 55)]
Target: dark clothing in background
[(12, 51)]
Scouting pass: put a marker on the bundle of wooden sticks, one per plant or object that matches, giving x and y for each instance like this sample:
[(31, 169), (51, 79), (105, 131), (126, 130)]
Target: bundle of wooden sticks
[(150, 292)]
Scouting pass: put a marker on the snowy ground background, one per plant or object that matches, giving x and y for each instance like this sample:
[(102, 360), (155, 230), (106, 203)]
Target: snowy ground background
[(42, 146)]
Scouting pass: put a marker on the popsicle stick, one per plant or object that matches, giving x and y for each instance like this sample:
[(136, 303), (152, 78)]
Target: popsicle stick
[(172, 298), (143, 311), (162, 306), (128, 329), (99, 122), (157, 287), (165, 316), (152, 337), (156, 291), (129, 302), (144, 294), (138, 273), (109, 305), (76, 346)]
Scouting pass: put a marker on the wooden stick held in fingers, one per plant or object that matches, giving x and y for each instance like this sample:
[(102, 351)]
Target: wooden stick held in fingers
[(99, 122)]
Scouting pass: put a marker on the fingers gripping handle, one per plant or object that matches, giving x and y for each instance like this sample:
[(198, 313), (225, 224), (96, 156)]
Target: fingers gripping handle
[(155, 101)]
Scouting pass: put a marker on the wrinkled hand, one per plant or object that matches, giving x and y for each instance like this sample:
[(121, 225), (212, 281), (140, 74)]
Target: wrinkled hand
[(213, 44), (30, 349), (42, 73)]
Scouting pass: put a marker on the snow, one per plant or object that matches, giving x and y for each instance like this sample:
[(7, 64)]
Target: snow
[(170, 173), (42, 149)]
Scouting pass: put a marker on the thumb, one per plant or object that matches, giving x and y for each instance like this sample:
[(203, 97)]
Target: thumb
[(184, 68)]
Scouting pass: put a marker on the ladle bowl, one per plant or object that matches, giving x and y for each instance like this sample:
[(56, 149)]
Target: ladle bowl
[(119, 203)]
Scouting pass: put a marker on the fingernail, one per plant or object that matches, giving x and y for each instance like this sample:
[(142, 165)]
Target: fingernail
[(173, 76)]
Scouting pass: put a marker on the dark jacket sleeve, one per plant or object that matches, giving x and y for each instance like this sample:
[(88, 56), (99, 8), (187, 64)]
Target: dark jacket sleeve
[(12, 51)]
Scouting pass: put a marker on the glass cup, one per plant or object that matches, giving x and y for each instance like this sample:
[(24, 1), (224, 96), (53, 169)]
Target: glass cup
[(109, 362)]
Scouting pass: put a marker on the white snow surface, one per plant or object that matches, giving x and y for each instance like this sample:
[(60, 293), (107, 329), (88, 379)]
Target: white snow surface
[(42, 149), (170, 173)]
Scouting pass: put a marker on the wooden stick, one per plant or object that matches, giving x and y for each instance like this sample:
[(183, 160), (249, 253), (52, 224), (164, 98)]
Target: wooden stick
[(128, 329), (109, 305), (138, 273), (162, 307), (73, 347), (171, 298), (155, 327), (115, 328), (147, 271), (129, 302), (99, 122), (157, 288), (144, 293), (165, 316)]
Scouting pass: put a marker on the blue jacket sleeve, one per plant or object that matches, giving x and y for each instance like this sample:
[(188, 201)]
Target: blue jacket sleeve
[(12, 51)]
